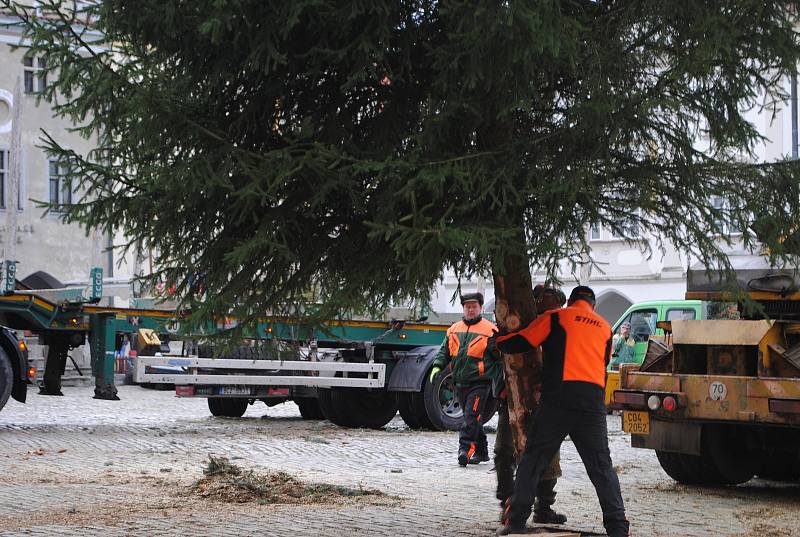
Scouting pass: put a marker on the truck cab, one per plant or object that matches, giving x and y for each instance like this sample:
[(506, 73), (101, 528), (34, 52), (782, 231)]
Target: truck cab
[(643, 318)]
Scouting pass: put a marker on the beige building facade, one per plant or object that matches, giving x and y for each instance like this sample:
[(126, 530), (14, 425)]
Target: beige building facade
[(41, 240)]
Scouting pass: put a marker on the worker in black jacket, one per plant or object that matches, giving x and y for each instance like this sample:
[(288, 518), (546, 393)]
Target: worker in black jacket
[(577, 344)]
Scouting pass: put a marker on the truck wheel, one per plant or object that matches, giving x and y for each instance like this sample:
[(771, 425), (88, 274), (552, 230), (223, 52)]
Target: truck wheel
[(330, 409), (679, 467), (418, 406), (227, 407), (442, 407), (413, 411), (360, 407), (6, 378), (309, 408), (324, 399), (441, 402), (780, 466), (405, 404), (724, 452)]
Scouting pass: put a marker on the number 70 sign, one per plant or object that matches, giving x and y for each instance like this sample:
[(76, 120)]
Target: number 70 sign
[(717, 391)]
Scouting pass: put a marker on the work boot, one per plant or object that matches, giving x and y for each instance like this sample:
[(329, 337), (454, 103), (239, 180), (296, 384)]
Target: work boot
[(618, 529), (545, 498), (504, 505), (510, 529), (463, 459), (478, 458), (546, 515)]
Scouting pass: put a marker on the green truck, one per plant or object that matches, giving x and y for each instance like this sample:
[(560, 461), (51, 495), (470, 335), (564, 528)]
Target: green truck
[(644, 318), (718, 398), (356, 373)]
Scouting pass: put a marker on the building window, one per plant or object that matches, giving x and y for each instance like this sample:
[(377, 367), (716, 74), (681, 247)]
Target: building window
[(627, 228), (594, 232), (35, 74), (60, 193), (3, 177), (723, 205), (5, 181)]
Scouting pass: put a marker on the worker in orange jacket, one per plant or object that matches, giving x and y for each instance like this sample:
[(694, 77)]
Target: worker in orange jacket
[(576, 344)]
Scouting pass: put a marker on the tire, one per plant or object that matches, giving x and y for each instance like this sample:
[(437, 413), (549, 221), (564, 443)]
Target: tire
[(360, 407), (723, 449), (310, 408), (412, 408), (721, 461), (6, 378), (780, 466), (325, 404), (405, 405), (442, 406), (679, 467), (227, 407), (418, 406)]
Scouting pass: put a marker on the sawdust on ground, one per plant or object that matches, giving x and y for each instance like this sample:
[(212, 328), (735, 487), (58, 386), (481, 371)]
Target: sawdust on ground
[(225, 482)]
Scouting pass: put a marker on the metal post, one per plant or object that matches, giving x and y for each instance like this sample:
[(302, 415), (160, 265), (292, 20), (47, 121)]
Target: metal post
[(54, 367), (102, 345)]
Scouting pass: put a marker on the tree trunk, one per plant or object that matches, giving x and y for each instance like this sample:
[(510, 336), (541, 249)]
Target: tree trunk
[(514, 309)]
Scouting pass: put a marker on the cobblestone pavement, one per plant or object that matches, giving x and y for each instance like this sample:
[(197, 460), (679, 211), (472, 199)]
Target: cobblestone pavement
[(76, 466)]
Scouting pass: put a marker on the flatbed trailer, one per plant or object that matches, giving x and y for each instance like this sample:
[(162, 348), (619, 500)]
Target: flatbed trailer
[(719, 400), (357, 373)]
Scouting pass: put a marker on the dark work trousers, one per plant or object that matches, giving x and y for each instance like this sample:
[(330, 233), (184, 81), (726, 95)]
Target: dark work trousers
[(505, 464), (471, 436), (588, 432), (504, 460)]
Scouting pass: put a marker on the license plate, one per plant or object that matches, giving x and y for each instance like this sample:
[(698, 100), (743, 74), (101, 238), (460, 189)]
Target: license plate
[(234, 390), (636, 422)]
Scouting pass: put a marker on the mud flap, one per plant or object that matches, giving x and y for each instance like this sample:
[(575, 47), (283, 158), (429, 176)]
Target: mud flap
[(409, 372), (675, 437)]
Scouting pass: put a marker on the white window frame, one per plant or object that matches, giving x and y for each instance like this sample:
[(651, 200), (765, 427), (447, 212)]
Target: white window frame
[(61, 170), (5, 176), (599, 233), (720, 202), (638, 234), (5, 173), (35, 76)]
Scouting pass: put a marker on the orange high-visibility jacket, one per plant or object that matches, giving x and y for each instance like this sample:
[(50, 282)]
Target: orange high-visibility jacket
[(470, 352), (576, 344)]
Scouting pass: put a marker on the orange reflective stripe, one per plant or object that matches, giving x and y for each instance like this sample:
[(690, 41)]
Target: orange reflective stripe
[(477, 347), (471, 451), (481, 368), (476, 403), (479, 417), (484, 328), (452, 344)]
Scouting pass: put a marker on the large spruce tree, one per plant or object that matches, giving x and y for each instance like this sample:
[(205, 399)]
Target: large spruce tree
[(354, 150), (350, 152)]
